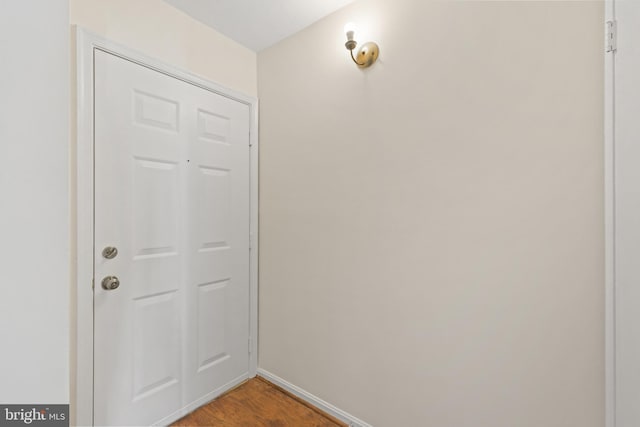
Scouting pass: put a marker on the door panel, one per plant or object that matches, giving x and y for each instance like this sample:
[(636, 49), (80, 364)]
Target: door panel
[(156, 331), (172, 195), (218, 182)]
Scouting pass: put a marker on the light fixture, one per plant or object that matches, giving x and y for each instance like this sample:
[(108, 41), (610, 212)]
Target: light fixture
[(367, 54)]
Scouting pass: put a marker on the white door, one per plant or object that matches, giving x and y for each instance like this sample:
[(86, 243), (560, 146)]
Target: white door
[(172, 196), (627, 215)]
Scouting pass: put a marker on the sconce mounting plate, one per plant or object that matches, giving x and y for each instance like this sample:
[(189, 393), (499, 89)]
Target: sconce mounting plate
[(367, 54)]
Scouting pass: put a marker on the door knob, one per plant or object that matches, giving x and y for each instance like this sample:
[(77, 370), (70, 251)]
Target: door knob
[(110, 283)]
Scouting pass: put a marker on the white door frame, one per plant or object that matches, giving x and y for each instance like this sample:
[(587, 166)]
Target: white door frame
[(86, 44), (609, 218)]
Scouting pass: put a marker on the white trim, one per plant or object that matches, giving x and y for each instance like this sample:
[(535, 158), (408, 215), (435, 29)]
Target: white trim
[(84, 216), (609, 218), (254, 237), (87, 43), (313, 400)]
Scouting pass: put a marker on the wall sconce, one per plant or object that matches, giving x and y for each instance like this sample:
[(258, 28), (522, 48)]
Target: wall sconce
[(367, 53)]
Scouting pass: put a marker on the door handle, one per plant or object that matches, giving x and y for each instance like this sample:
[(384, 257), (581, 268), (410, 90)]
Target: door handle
[(110, 283)]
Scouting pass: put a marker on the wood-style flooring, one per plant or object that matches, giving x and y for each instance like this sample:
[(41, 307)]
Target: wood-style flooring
[(258, 403)]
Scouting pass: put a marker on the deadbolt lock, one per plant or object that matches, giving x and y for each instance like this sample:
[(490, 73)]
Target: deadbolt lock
[(110, 252)]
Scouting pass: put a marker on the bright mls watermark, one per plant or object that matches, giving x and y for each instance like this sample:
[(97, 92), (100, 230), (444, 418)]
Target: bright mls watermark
[(34, 415)]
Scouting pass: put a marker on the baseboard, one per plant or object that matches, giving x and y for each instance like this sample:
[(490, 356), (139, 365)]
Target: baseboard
[(313, 400)]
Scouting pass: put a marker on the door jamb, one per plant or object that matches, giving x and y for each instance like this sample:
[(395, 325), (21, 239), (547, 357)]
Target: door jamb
[(86, 44), (609, 224)]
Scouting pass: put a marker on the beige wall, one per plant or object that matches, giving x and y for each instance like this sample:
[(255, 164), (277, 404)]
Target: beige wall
[(157, 29), (431, 228)]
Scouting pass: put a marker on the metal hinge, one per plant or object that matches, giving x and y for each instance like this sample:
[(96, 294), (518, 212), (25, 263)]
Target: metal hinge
[(250, 346), (250, 144), (612, 36)]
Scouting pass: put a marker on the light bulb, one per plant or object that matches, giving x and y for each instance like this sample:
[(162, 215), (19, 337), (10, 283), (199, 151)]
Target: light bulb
[(350, 30)]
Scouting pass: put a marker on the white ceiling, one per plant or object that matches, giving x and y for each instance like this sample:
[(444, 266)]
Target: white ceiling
[(258, 24)]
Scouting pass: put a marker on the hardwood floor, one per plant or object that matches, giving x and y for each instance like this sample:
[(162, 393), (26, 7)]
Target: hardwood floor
[(258, 403)]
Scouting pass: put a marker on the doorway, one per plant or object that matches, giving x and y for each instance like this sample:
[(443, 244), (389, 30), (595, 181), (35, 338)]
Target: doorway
[(167, 263)]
